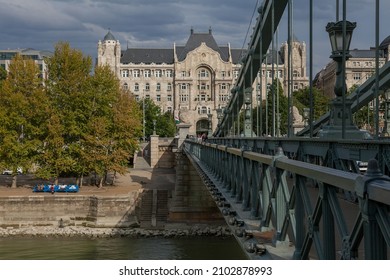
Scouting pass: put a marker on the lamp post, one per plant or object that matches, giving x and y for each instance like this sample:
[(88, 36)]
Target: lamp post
[(247, 121), (340, 122), (306, 113), (209, 118), (143, 115), (154, 127)]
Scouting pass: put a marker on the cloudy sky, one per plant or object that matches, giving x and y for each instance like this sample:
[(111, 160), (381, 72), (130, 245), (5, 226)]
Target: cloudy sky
[(40, 24)]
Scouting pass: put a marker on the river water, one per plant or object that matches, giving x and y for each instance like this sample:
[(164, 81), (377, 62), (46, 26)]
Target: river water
[(158, 248)]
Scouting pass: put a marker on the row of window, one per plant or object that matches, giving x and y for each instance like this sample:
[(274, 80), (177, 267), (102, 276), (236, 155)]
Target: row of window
[(168, 73), (183, 87), (136, 73), (185, 97)]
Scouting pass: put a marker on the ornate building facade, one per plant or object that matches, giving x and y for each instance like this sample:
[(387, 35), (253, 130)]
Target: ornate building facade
[(194, 80), (358, 68)]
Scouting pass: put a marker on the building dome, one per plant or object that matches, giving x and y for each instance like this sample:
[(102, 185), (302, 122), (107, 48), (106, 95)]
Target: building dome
[(109, 36), (385, 43)]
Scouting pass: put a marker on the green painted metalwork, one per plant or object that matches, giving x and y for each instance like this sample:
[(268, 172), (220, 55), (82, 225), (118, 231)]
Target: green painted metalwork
[(300, 203)]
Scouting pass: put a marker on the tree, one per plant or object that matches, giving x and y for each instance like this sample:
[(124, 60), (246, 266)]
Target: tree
[(267, 108), (165, 123), (68, 76), (113, 126), (24, 108), (301, 99)]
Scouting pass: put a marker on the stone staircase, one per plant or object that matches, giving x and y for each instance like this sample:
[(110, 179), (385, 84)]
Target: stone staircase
[(154, 208)]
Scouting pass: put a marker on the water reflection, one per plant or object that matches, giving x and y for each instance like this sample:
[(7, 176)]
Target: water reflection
[(198, 248)]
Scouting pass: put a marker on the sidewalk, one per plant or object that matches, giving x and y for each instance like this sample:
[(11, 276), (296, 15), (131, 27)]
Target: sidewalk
[(141, 176)]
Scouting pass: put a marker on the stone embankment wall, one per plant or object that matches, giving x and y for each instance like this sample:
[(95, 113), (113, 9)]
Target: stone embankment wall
[(69, 210)]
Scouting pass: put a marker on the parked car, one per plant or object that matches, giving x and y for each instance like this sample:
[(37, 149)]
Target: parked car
[(19, 170)]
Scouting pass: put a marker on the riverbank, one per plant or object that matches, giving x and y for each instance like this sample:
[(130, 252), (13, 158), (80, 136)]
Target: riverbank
[(75, 231)]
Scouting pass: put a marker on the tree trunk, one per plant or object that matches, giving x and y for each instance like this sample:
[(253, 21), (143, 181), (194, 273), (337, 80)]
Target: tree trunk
[(81, 180), (56, 181), (13, 185), (101, 179)]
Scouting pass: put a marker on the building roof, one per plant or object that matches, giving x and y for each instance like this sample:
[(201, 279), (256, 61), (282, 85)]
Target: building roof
[(364, 53), (195, 41), (147, 56), (159, 56), (109, 36), (385, 43)]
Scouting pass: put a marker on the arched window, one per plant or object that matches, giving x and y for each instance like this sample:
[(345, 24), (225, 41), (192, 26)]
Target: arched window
[(136, 87)]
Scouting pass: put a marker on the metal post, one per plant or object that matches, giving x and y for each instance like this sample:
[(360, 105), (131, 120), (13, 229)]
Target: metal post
[(289, 70), (377, 69), (344, 59), (143, 115), (311, 115), (273, 71)]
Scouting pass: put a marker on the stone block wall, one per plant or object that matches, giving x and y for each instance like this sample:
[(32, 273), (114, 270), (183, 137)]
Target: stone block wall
[(162, 152), (47, 210)]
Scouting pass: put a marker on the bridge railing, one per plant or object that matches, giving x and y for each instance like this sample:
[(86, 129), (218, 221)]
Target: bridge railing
[(301, 203)]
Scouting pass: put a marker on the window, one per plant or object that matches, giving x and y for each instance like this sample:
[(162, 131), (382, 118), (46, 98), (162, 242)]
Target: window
[(203, 110), (183, 74), (125, 86), (222, 88), (169, 97), (223, 74), (169, 109), (157, 73), (169, 74), (183, 87), (295, 87), (137, 98), (136, 74), (183, 98), (203, 73), (223, 97), (158, 87), (357, 76), (235, 74), (136, 87), (158, 98), (147, 73), (295, 74), (169, 87), (125, 73), (147, 86)]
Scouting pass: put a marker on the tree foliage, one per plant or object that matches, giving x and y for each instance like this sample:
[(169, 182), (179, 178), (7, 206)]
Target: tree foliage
[(74, 122), (24, 108), (301, 99), (165, 123)]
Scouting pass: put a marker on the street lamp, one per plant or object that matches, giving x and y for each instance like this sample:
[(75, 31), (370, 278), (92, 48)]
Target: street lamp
[(154, 127), (306, 113), (340, 121), (337, 39)]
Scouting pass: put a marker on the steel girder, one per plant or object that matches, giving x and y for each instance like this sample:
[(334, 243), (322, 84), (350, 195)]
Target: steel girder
[(299, 202)]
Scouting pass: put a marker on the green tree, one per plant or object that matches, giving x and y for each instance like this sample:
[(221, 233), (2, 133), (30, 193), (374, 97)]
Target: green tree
[(165, 123), (24, 111), (68, 77), (301, 99), (3, 75), (113, 128), (281, 102)]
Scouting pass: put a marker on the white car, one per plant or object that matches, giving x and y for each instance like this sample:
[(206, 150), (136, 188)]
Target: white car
[(19, 170)]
